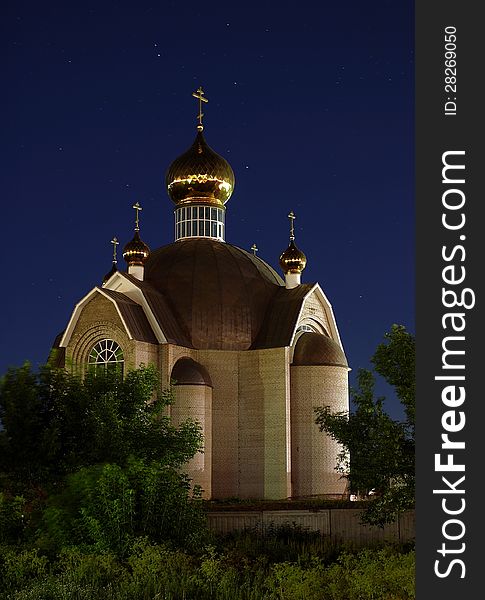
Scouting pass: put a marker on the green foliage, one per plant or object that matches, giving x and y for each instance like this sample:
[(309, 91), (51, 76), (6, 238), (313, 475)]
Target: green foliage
[(19, 569), (12, 518), (378, 452), (113, 441), (373, 574), (55, 423), (104, 508), (396, 362), (285, 543), (156, 571)]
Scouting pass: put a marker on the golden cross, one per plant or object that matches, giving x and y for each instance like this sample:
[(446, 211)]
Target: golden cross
[(199, 94), (292, 218), (254, 248), (115, 243), (137, 207)]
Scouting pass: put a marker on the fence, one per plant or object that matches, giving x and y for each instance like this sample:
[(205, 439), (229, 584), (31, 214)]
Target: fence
[(340, 524)]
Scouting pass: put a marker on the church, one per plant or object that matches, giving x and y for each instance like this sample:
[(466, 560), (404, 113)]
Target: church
[(250, 353)]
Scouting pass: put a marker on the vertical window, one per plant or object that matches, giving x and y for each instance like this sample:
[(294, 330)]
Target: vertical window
[(199, 221)]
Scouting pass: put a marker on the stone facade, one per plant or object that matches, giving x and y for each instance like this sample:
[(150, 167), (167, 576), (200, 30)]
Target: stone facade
[(195, 402), (98, 320), (313, 386), (257, 415)]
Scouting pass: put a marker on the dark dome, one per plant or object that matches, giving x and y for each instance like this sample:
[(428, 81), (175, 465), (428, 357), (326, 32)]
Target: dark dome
[(188, 372), (318, 349), (200, 175), (136, 252), (218, 293), (293, 259)]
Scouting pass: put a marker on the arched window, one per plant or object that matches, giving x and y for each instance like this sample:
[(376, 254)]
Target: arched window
[(106, 355), (306, 328)]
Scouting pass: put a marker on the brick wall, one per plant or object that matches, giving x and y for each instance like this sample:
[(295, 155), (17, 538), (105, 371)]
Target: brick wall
[(195, 402), (314, 454), (98, 320)]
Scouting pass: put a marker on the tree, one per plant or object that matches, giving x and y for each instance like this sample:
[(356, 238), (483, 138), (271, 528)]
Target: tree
[(97, 461), (378, 452), (55, 423)]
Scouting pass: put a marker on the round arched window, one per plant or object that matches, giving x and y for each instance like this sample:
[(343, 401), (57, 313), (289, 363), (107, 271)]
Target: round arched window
[(106, 355), (306, 328)]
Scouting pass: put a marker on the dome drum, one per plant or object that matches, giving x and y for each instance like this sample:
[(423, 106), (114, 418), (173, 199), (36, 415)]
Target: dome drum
[(199, 221)]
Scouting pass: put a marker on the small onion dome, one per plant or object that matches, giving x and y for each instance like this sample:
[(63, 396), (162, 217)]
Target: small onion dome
[(200, 175), (111, 272), (136, 252), (188, 372), (292, 260), (314, 349)]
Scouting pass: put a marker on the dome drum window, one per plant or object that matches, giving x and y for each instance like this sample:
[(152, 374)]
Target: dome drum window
[(199, 221), (106, 355)]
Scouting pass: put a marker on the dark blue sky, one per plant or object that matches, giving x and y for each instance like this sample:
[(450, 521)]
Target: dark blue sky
[(312, 103)]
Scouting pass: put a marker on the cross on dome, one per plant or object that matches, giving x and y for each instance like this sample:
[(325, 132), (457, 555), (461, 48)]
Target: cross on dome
[(292, 218), (199, 94), (138, 208), (115, 243)]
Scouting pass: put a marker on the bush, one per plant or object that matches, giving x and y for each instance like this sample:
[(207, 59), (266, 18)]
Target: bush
[(106, 507), (285, 543), (374, 574), (19, 569), (12, 519), (157, 571)]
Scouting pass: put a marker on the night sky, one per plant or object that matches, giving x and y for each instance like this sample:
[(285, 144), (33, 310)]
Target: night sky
[(312, 103)]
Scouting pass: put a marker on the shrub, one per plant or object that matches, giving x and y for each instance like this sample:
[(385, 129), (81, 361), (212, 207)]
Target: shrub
[(12, 519), (19, 569), (106, 507), (157, 571)]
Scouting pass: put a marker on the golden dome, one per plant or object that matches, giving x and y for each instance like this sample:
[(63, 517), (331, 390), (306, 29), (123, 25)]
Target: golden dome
[(136, 252), (200, 175), (292, 260)]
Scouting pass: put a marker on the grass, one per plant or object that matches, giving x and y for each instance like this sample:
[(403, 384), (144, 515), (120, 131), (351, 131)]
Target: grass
[(285, 563)]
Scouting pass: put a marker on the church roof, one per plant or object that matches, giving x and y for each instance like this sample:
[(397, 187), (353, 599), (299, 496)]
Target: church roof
[(281, 317), (314, 349), (188, 372), (193, 285), (205, 294), (134, 317), (217, 293), (173, 330)]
